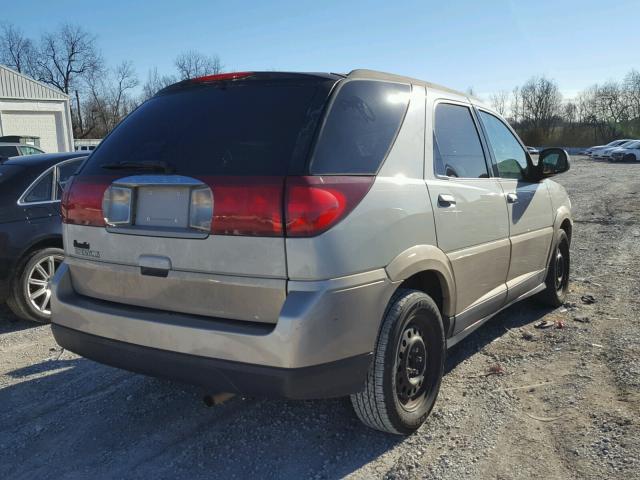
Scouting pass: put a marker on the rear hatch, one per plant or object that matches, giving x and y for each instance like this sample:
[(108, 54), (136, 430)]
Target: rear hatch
[(180, 208)]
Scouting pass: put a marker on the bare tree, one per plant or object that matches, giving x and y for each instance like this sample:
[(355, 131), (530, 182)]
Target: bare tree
[(516, 105), (191, 64), (541, 107), (66, 56), (632, 87), (16, 50), (110, 99), (500, 101), (155, 82), (570, 112)]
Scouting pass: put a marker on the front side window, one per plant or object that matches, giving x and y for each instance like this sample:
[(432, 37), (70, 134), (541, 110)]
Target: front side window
[(457, 151), (41, 191), (29, 150), (360, 128), (511, 158)]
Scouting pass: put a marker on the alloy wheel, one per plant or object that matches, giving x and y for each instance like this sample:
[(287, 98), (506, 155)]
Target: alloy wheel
[(38, 283)]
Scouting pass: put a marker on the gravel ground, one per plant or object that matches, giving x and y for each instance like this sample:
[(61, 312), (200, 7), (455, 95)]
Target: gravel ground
[(565, 405)]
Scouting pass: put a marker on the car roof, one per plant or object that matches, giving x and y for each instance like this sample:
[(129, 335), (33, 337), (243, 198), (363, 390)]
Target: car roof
[(360, 73), (42, 159), (376, 75)]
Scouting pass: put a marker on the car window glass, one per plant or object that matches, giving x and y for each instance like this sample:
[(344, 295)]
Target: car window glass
[(64, 174), (360, 127), (8, 151), (41, 191), (230, 129), (457, 150), (509, 154)]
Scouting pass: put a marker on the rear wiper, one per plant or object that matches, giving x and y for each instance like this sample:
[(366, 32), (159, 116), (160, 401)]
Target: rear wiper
[(149, 165)]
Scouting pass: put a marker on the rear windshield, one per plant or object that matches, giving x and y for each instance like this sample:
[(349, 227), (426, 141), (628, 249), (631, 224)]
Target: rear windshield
[(240, 128)]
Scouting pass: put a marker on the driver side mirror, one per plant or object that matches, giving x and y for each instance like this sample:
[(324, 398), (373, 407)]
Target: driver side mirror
[(552, 161)]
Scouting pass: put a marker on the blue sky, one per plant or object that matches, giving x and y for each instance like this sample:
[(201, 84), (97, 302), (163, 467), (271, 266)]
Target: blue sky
[(486, 44)]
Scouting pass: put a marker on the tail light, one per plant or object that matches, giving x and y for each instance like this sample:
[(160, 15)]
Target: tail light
[(201, 209), (116, 205), (303, 206), (82, 200), (246, 205), (315, 204)]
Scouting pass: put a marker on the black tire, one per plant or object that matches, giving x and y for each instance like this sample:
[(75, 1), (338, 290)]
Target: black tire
[(629, 157), (405, 374), (557, 281), (18, 300)]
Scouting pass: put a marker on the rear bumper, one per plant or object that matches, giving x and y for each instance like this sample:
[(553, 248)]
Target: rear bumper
[(320, 346), (328, 380)]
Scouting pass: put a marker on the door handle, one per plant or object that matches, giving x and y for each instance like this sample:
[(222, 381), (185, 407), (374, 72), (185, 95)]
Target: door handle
[(445, 200), (512, 198)]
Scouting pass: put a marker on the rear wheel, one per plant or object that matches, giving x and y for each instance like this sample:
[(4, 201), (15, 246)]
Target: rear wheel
[(30, 296), (629, 157), (557, 281), (404, 378)]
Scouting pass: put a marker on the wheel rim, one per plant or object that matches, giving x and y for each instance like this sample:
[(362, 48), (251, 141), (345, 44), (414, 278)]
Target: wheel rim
[(38, 288), (412, 359), (561, 270)]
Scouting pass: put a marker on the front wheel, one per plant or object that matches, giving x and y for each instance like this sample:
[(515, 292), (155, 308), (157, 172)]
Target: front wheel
[(405, 374), (30, 296), (557, 281)]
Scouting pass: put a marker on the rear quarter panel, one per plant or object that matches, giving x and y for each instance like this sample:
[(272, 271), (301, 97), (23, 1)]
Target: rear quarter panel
[(394, 215)]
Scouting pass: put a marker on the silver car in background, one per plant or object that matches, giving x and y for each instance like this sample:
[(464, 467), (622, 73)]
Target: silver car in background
[(630, 152)]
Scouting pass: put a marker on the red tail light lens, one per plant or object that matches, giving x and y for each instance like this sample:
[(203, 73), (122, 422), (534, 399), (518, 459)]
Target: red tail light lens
[(250, 206), (246, 205), (315, 204), (82, 200)]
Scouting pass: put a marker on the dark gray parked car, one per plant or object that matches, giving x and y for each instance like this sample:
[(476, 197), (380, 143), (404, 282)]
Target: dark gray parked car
[(332, 236), (31, 230)]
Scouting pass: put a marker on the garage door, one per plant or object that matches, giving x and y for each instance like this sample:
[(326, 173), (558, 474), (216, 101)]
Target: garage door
[(46, 125)]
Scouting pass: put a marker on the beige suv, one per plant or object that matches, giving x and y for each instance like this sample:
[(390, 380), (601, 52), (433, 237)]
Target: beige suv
[(333, 236)]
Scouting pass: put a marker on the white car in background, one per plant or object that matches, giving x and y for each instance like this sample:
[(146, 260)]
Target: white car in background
[(629, 153), (594, 152), (606, 153)]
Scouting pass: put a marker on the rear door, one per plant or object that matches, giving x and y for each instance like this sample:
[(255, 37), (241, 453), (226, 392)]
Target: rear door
[(529, 206), (470, 213), (195, 178)]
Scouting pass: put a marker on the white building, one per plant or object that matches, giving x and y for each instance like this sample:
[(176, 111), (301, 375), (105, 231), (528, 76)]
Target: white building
[(32, 109)]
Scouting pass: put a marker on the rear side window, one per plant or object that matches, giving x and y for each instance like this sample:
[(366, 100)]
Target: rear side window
[(230, 129), (65, 170), (457, 151), (360, 127), (8, 151), (41, 191)]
